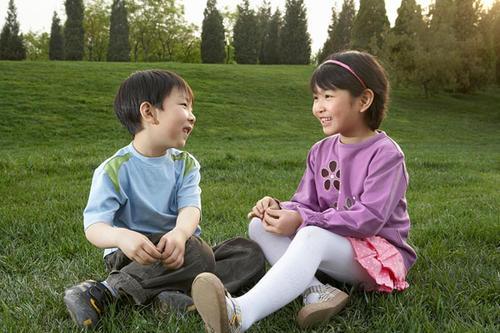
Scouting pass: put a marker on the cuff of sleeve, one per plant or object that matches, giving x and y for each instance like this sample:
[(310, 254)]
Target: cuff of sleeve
[(310, 217)]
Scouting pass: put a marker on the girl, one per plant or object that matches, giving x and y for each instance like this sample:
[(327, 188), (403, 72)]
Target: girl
[(348, 217)]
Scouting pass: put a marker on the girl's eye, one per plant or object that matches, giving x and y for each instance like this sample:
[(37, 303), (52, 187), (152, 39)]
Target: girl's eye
[(184, 105)]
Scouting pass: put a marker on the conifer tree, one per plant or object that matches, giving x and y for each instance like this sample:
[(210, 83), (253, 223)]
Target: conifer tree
[(340, 30), (212, 35), (263, 21), (476, 63), (495, 13), (73, 30), (295, 39), (271, 44), (343, 33), (246, 39), (370, 26), (11, 41), (328, 46), (119, 46), (404, 43), (56, 43)]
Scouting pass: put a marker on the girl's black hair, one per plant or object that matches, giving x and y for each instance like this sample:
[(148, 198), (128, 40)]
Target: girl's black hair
[(331, 77)]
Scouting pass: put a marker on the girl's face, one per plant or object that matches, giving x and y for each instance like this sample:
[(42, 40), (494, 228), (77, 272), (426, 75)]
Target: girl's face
[(338, 112)]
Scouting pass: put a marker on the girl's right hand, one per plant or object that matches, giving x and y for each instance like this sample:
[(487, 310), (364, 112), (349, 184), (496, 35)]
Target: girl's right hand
[(138, 247), (262, 205)]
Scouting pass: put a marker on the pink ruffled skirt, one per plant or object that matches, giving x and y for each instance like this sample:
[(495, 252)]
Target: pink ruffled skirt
[(383, 262)]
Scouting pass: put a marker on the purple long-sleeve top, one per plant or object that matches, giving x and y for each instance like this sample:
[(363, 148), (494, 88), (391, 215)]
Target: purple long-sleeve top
[(356, 190)]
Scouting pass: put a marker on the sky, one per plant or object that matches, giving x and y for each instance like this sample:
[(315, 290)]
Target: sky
[(36, 15)]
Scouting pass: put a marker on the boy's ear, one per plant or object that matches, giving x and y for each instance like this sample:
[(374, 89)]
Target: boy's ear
[(148, 113), (366, 99)]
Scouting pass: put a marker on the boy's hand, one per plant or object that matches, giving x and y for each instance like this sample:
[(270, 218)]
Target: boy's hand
[(282, 221), (261, 206), (172, 247), (138, 247)]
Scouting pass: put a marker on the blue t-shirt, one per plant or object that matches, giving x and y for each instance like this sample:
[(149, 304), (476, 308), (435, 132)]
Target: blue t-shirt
[(141, 193)]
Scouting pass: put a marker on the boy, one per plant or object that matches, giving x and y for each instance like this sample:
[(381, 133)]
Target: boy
[(144, 209)]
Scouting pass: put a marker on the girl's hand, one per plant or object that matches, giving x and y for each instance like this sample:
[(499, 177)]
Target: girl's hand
[(262, 205), (172, 247), (138, 247), (282, 221)]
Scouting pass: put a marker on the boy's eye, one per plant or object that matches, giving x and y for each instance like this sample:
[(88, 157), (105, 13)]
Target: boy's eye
[(328, 96)]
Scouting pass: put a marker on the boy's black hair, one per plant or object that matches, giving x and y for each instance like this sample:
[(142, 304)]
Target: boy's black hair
[(366, 66), (151, 86)]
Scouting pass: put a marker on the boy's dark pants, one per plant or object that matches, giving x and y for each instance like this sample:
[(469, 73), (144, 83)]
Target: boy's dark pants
[(238, 262)]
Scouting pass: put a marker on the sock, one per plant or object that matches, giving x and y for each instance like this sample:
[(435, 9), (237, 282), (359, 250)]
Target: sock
[(112, 290)]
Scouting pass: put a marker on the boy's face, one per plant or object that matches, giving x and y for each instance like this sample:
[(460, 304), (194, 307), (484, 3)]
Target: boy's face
[(175, 122)]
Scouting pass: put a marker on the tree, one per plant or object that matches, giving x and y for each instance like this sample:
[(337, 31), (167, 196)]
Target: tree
[(157, 27), (438, 59), (229, 18), (73, 30), (212, 35), (263, 21), (328, 47), (246, 39), (96, 26), (37, 46), (495, 33), (343, 33), (295, 40), (119, 46), (11, 41), (370, 26), (404, 42), (476, 62), (271, 53), (56, 43)]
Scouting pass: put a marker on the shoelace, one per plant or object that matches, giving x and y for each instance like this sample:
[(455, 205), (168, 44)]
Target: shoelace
[(325, 293), (235, 320)]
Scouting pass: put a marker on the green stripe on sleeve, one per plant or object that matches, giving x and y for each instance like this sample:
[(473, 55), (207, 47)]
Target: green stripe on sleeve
[(113, 166), (189, 163)]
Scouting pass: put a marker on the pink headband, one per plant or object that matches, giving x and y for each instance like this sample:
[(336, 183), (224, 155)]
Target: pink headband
[(341, 64)]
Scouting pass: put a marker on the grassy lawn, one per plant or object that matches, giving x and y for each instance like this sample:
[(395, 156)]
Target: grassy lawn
[(253, 132)]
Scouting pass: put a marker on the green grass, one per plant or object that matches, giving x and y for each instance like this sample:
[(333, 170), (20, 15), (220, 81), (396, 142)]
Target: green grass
[(253, 133)]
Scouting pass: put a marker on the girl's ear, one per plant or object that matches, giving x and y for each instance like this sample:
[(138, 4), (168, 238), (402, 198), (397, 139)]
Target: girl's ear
[(148, 113), (366, 99)]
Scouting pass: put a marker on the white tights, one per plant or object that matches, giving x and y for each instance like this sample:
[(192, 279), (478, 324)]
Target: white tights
[(294, 264)]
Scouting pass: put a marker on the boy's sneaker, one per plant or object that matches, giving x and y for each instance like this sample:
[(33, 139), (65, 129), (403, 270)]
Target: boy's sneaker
[(216, 307), (86, 302), (173, 301), (330, 301)]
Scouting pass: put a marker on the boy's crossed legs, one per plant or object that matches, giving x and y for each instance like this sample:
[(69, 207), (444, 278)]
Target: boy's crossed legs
[(238, 262)]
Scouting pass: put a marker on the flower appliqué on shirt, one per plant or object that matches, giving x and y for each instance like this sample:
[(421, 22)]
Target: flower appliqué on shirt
[(331, 175)]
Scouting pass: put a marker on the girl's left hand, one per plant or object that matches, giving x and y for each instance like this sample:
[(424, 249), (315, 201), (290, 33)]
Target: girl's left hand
[(282, 221)]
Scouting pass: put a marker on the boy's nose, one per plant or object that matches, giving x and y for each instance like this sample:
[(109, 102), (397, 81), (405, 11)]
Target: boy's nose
[(191, 118)]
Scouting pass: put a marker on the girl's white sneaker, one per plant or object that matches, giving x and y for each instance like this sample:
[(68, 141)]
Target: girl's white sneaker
[(330, 301)]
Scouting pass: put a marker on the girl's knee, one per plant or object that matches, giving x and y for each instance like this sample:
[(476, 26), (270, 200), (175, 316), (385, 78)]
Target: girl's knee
[(309, 232), (255, 228)]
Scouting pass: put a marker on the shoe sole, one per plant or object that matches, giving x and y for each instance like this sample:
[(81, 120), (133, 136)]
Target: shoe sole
[(210, 301), (317, 313)]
